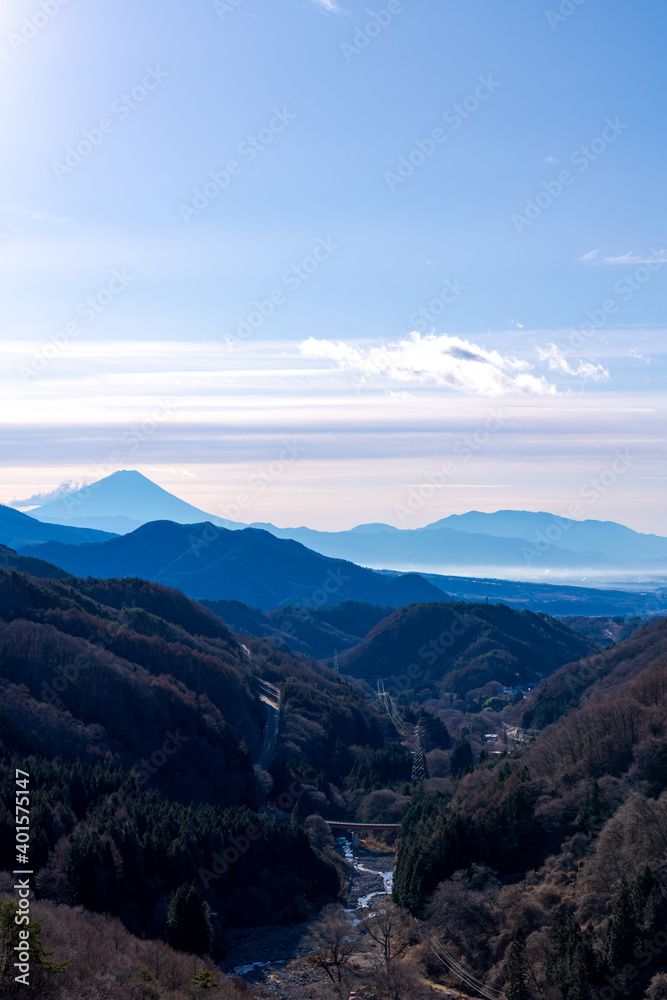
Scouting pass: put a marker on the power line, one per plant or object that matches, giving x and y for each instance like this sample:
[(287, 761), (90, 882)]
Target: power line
[(457, 970), (408, 730)]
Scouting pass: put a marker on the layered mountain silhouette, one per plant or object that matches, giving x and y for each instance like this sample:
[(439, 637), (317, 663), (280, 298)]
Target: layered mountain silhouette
[(17, 529), (466, 546), (520, 544), (607, 537), (250, 565)]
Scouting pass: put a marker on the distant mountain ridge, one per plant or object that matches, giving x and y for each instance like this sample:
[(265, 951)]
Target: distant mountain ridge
[(252, 566), (608, 537), (520, 544)]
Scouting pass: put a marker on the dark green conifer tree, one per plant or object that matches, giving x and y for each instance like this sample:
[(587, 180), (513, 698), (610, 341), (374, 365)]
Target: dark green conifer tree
[(188, 921), (623, 928), (461, 758), (518, 971)]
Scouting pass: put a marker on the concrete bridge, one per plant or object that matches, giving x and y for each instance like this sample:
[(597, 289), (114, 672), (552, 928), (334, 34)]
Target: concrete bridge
[(341, 827)]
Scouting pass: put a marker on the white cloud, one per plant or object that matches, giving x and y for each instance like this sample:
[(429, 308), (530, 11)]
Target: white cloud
[(590, 255), (446, 361), (659, 256), (329, 5), (557, 362)]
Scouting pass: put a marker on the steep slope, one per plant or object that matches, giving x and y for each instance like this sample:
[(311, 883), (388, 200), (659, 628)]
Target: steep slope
[(570, 687), (131, 675), (564, 838), (138, 714), (108, 666), (459, 647), (17, 529), (251, 566)]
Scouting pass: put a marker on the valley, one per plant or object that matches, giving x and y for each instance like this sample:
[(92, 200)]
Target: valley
[(318, 799)]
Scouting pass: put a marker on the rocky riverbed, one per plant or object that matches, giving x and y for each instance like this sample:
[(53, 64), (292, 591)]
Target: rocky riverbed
[(262, 954)]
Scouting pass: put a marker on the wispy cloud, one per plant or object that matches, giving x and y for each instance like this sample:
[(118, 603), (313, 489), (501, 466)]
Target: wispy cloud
[(65, 488), (557, 362), (328, 5), (590, 255), (445, 361), (630, 258)]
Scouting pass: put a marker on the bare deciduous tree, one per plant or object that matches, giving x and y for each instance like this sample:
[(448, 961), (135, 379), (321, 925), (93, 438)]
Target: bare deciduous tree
[(391, 928), (330, 943)]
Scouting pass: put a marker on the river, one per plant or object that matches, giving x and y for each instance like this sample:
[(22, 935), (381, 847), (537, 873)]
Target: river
[(257, 953)]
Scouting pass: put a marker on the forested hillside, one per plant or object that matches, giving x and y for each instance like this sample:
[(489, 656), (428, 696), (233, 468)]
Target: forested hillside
[(136, 711), (559, 846), (456, 647), (318, 632)]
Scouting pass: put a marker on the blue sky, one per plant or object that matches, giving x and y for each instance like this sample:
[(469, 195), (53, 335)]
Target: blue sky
[(312, 293)]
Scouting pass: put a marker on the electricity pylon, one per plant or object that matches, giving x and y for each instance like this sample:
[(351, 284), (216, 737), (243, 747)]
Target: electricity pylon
[(407, 730)]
